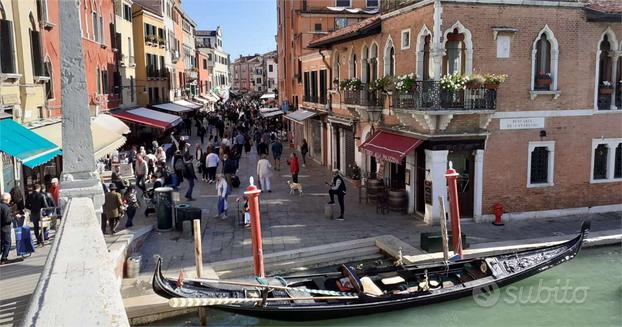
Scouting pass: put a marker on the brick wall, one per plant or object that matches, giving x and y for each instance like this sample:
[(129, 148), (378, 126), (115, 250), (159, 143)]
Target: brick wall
[(506, 156)]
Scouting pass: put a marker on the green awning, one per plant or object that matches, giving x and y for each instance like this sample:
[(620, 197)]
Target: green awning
[(28, 147)]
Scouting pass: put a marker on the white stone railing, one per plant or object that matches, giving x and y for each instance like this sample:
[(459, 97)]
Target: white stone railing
[(78, 286)]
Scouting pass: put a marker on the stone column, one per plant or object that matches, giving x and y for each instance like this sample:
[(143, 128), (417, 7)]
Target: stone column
[(478, 185), (436, 167), (437, 52), (614, 78), (79, 177)]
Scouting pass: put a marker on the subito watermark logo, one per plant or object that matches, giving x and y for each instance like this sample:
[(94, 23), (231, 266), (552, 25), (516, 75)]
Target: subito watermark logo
[(562, 292)]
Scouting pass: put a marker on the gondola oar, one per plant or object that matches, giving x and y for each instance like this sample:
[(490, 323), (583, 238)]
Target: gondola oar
[(181, 302), (276, 287)]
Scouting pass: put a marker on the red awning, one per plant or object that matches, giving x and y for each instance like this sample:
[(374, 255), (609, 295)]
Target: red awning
[(148, 117), (390, 147)]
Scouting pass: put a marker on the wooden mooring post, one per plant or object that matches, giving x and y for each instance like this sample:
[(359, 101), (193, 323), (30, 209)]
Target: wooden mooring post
[(198, 261), (443, 221)]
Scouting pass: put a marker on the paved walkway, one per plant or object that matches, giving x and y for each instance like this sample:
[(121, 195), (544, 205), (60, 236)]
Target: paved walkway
[(290, 222)]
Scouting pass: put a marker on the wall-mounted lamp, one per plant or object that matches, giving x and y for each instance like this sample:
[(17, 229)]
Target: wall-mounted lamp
[(542, 133)]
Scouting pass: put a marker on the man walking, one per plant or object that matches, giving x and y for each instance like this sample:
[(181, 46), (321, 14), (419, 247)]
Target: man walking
[(222, 189), (190, 176), (212, 161), (113, 207), (337, 187), (141, 172), (5, 228), (277, 151), (36, 202), (264, 172), (294, 166), (229, 168)]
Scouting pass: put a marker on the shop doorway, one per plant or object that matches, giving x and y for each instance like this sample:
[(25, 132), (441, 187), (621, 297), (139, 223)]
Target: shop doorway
[(337, 161), (420, 180), (397, 175), (463, 163)]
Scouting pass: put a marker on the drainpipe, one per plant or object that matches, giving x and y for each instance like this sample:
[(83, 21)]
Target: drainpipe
[(330, 79)]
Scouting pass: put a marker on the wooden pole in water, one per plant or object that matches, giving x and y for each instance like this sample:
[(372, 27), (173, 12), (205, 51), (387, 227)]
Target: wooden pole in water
[(441, 200), (198, 261)]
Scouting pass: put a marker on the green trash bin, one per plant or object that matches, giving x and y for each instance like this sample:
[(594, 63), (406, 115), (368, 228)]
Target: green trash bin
[(164, 208)]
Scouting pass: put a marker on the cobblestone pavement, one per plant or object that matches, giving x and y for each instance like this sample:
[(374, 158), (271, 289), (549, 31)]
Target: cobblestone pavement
[(290, 221)]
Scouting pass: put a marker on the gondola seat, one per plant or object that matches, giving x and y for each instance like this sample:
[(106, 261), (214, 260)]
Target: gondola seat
[(369, 287), (392, 280)]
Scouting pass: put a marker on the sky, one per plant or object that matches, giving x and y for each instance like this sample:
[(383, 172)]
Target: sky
[(249, 26)]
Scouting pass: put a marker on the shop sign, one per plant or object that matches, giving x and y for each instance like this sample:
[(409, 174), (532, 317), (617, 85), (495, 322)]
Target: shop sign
[(521, 123), (427, 192)]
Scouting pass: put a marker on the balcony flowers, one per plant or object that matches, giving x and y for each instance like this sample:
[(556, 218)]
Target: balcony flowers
[(453, 82), (385, 84), (492, 81), (352, 84), (605, 88), (406, 83), (475, 81)]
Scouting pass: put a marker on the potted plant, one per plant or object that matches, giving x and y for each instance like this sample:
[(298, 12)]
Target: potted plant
[(151, 39), (492, 81), (353, 84), (543, 80), (605, 88), (406, 83), (384, 84), (162, 42), (453, 82), (475, 81)]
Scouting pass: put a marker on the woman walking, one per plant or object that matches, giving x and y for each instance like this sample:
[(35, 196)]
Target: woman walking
[(294, 168), (223, 192)]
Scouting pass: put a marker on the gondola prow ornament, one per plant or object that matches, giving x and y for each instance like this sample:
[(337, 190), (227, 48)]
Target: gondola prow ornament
[(253, 201), (454, 207)]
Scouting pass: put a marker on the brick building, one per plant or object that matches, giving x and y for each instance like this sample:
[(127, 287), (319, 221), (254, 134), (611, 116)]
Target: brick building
[(98, 38), (545, 142), (300, 22)]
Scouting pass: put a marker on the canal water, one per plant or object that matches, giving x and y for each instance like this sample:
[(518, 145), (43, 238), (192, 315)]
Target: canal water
[(586, 291)]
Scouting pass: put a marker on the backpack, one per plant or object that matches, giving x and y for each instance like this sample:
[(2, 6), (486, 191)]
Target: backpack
[(179, 164)]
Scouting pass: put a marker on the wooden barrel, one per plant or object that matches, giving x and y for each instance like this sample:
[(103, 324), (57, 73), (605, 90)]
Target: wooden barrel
[(398, 200), (374, 188)]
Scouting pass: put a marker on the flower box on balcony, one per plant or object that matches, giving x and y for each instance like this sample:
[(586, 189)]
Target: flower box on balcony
[(605, 90)]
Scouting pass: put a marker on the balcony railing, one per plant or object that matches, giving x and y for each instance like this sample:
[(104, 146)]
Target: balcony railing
[(364, 97), (321, 99), (428, 95)]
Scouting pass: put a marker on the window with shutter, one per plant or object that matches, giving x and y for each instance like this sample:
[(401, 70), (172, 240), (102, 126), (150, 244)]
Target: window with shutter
[(617, 166), (539, 165), (600, 161), (37, 61), (7, 48)]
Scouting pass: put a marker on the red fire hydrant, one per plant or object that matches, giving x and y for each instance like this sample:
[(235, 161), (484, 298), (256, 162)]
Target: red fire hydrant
[(497, 208)]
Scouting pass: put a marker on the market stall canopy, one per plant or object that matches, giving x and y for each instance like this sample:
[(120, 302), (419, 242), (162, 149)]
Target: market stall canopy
[(268, 96), (269, 114), (113, 123), (28, 147), (390, 147), (172, 107), (148, 117), (188, 104), (106, 138), (300, 115)]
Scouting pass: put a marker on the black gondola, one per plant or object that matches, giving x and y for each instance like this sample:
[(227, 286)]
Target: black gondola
[(343, 294)]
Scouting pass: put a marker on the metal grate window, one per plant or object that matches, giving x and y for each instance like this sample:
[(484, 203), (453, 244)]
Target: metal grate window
[(617, 170), (539, 165), (600, 161)]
